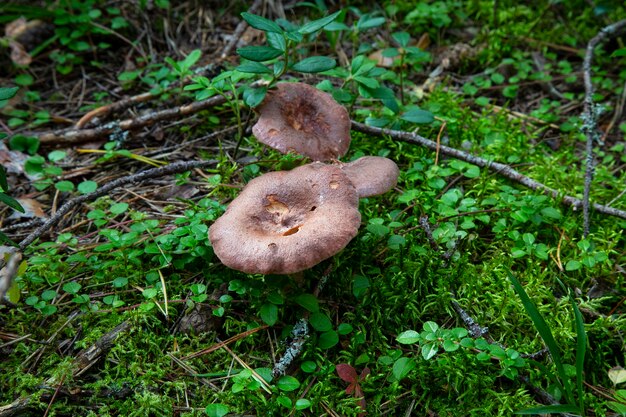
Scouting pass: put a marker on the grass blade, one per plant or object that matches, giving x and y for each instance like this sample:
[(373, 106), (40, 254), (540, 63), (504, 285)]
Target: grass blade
[(551, 409), (581, 349), (545, 333)]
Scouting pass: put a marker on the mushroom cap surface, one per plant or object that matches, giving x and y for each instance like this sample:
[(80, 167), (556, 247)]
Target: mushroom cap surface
[(300, 118), (287, 221), (372, 175)]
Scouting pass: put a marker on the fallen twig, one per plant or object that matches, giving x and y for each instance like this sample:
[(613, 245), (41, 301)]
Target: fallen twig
[(590, 114), (83, 361), (175, 168), (241, 27), (502, 169), (475, 330), (73, 136), (300, 334)]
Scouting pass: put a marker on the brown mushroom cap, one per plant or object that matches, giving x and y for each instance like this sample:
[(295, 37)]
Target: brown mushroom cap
[(287, 221), (372, 175), (300, 118)]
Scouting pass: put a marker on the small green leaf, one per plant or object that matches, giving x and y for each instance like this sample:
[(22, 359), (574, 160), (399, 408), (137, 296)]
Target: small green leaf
[(308, 301), (217, 410), (314, 64), (367, 81), (24, 80), (408, 337), (616, 53), (403, 38), (277, 41), (344, 328), (328, 340), (430, 326), (259, 53), (308, 367), (87, 187), (118, 208), (302, 403), (4, 185), (11, 202), (418, 116), (64, 186), (48, 295), (551, 213), (71, 287), (450, 346), (261, 23), (320, 322), (429, 350), (8, 92), (253, 96), (528, 238), (269, 313), (56, 156), (360, 286), (288, 383), (254, 68), (318, 24), (284, 401), (402, 367), (150, 293)]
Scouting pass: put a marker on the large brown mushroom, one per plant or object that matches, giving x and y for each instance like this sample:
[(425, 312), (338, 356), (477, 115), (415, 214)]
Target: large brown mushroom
[(296, 117), (371, 175), (287, 221)]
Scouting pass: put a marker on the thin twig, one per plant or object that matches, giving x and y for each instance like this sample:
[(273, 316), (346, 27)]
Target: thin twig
[(82, 362), (241, 27), (474, 328), (175, 168), (73, 136), (502, 169), (590, 114)]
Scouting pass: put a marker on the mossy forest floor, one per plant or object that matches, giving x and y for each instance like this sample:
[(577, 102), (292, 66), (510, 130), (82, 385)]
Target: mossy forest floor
[(122, 309)]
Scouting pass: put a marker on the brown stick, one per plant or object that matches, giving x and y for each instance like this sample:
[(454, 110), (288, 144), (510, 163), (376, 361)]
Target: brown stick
[(73, 136), (241, 27), (501, 169), (590, 114), (85, 359), (175, 168)]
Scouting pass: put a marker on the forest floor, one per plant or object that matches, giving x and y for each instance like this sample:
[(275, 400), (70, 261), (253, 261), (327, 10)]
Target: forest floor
[(490, 279)]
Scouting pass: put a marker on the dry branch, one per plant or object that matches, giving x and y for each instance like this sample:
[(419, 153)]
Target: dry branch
[(501, 169), (83, 361), (590, 114), (175, 168), (73, 136)]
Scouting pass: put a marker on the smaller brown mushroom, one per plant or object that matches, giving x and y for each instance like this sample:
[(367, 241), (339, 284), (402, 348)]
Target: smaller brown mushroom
[(296, 117), (287, 221), (372, 175)]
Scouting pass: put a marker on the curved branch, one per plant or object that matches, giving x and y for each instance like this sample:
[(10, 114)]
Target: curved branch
[(502, 169), (590, 114)]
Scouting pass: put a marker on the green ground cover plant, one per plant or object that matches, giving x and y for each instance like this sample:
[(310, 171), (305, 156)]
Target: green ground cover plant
[(464, 292)]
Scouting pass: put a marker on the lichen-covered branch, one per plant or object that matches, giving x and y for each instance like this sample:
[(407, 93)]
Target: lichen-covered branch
[(501, 169), (72, 136), (590, 114)]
